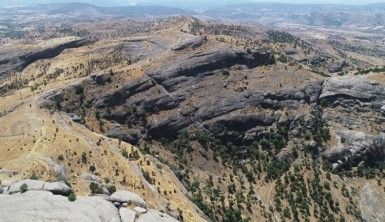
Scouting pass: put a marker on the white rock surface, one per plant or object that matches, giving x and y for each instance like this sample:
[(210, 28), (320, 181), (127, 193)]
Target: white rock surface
[(140, 210), (155, 216), (123, 196), (55, 187), (44, 206), (31, 185), (91, 177), (127, 215)]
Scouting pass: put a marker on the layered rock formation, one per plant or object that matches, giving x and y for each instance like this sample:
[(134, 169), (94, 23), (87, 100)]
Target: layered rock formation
[(197, 89), (356, 112)]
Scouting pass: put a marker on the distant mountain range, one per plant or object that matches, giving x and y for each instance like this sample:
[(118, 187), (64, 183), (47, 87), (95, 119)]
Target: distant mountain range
[(169, 3), (371, 15), (68, 8), (271, 14)]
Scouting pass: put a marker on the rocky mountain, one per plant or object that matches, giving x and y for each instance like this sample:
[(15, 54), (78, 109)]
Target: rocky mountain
[(184, 119)]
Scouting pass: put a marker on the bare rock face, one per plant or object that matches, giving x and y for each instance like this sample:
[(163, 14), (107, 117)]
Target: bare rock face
[(122, 196), (44, 201), (54, 187), (140, 210), (128, 135), (155, 216), (190, 43), (185, 69), (354, 101), (127, 215), (91, 178), (355, 146), (44, 206), (348, 91), (372, 203)]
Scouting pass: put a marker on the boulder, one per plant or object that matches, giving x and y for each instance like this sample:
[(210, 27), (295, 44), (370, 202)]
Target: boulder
[(313, 143), (338, 66), (54, 187), (140, 210), (59, 171), (285, 155), (123, 196), (105, 191), (57, 188), (155, 216), (127, 215), (335, 166), (91, 178), (77, 119), (31, 185)]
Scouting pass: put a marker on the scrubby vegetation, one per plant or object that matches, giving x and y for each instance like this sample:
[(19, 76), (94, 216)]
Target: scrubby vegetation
[(24, 188), (72, 197), (368, 70), (299, 191)]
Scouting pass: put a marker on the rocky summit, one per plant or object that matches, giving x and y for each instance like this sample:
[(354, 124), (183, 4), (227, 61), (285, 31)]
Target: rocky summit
[(30, 200), (154, 113)]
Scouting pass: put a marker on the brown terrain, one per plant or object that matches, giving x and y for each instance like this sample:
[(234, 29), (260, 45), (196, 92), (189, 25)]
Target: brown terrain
[(206, 121)]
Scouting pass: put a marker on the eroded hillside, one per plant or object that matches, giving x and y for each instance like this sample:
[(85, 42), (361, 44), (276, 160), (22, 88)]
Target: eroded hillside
[(206, 121)]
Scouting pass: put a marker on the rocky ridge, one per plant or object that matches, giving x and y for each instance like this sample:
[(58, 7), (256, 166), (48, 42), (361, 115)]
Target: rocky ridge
[(28, 200), (177, 95), (17, 61)]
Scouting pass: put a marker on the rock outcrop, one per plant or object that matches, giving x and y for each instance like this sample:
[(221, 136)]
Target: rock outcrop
[(347, 91), (354, 146), (337, 66), (21, 60), (198, 65), (155, 216), (44, 201), (353, 102), (54, 187), (44, 206), (122, 196), (217, 90), (127, 215), (190, 43)]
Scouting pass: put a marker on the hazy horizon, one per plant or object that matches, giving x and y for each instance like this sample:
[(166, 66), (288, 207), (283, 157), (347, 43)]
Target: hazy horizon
[(183, 3)]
